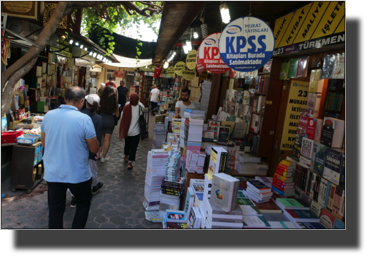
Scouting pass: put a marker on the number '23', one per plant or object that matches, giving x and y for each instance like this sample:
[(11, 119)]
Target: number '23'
[(300, 92)]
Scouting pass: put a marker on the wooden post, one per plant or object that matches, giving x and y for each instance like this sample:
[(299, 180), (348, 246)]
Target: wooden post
[(214, 95)]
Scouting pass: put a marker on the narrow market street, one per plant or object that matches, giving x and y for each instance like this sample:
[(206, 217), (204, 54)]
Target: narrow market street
[(119, 205)]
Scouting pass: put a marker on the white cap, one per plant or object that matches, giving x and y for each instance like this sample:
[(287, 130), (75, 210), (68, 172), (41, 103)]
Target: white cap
[(93, 98)]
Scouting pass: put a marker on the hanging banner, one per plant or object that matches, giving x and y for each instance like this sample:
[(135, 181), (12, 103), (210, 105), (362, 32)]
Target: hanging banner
[(203, 75), (246, 44), (209, 56), (200, 68), (158, 71), (191, 59), (188, 74), (297, 101), (179, 68)]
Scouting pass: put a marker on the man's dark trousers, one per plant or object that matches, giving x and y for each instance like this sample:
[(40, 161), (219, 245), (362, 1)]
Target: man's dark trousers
[(153, 105)]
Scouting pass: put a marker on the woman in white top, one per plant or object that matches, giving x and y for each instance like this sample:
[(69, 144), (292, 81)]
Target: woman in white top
[(130, 129)]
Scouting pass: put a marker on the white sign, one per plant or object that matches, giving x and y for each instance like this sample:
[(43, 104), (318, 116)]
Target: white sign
[(246, 44), (208, 53)]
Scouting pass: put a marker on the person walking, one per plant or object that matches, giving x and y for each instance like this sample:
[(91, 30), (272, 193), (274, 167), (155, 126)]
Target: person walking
[(123, 94), (100, 91), (108, 108), (154, 97), (67, 136), (129, 129)]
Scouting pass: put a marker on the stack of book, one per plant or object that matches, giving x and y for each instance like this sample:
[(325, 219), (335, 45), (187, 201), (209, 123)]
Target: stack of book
[(155, 173), (214, 217), (258, 191), (246, 163), (206, 90), (176, 125), (179, 218), (172, 170), (194, 114), (168, 202), (283, 183), (195, 161), (193, 130), (224, 192), (198, 186), (278, 221), (159, 135)]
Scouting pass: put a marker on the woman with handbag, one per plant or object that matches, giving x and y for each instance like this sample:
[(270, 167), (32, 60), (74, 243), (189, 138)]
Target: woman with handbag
[(129, 129), (108, 110)]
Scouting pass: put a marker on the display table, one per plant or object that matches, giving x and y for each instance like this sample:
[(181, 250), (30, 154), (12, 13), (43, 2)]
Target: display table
[(24, 168)]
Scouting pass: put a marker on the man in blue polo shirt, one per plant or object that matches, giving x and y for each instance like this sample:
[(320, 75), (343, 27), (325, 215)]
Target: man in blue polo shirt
[(67, 135)]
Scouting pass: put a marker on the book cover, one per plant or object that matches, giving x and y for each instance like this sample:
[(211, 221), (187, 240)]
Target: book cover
[(315, 76), (255, 222), (331, 169), (316, 187), (282, 178), (305, 200), (289, 203), (310, 225), (302, 67), (224, 191), (322, 191), (284, 71), (316, 208), (332, 132), (293, 64), (298, 175), (261, 187), (319, 160), (337, 201), (326, 218), (330, 199), (250, 210), (328, 65), (296, 153), (338, 224), (301, 215), (342, 177), (224, 134), (268, 207)]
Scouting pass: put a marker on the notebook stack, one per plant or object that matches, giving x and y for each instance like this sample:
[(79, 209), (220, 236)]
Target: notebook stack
[(246, 163), (258, 191), (155, 173)]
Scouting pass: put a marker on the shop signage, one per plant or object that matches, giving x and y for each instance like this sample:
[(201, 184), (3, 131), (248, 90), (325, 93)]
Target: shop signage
[(170, 71), (203, 75), (188, 74), (209, 56), (315, 20), (297, 101), (24, 9), (118, 74), (158, 71), (179, 68), (200, 67), (191, 59), (61, 52), (246, 44)]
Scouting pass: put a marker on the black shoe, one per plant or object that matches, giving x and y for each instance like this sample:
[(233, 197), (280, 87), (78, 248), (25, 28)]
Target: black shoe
[(73, 202), (96, 188)]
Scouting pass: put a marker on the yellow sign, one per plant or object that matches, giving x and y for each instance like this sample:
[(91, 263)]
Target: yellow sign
[(188, 74), (203, 75), (297, 101), (24, 9), (316, 20), (191, 59), (170, 71), (179, 68)]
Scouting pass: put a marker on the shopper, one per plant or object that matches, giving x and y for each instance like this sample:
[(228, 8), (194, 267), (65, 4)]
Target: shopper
[(130, 128), (67, 135), (100, 91), (111, 82), (154, 97), (108, 111), (185, 103), (123, 94)]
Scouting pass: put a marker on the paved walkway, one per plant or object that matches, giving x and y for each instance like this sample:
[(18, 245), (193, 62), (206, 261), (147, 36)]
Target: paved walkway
[(119, 205)]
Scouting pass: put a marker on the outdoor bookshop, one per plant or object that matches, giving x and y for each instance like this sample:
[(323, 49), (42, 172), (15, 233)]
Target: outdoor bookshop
[(264, 147)]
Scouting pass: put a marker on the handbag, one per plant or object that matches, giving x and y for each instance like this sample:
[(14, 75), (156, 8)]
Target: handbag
[(142, 124)]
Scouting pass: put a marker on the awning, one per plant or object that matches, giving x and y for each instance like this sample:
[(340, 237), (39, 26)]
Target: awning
[(124, 46), (130, 62)]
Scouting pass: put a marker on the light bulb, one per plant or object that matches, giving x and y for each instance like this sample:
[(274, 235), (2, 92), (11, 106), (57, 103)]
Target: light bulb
[(71, 41), (225, 13), (196, 35), (166, 65)]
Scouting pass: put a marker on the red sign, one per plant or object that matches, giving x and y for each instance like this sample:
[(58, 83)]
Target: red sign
[(158, 71), (200, 67), (208, 53)]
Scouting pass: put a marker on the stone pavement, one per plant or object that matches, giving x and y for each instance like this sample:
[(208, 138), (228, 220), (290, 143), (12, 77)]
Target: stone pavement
[(119, 205)]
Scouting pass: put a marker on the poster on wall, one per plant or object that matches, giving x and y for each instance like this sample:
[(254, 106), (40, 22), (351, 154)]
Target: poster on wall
[(297, 101), (209, 56), (246, 44)]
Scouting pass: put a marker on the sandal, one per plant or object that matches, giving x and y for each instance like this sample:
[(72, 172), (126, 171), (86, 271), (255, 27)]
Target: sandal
[(126, 159), (130, 165)]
